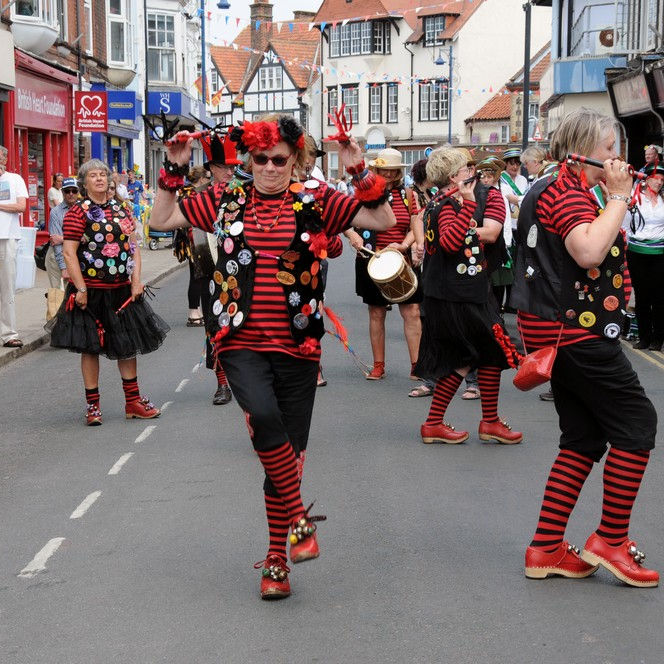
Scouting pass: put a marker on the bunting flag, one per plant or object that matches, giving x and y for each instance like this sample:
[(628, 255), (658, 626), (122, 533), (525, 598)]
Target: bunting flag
[(198, 84), (216, 97)]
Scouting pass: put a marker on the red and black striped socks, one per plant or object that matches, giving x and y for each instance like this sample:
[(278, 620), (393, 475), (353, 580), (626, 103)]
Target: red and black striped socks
[(489, 382), (443, 393), (568, 473), (92, 396), (623, 472), (221, 375), (281, 468), (130, 387), (278, 525)]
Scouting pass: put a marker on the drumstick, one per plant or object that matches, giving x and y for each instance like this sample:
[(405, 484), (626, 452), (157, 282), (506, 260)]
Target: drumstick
[(594, 162), (373, 253)]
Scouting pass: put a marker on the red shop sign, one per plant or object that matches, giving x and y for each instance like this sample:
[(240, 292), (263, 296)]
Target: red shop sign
[(90, 111), (41, 103)]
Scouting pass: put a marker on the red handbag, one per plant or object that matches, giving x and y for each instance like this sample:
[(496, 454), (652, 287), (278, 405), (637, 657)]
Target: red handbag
[(535, 368)]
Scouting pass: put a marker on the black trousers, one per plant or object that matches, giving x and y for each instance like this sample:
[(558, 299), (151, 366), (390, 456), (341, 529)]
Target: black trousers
[(206, 307), (276, 391), (196, 287), (647, 272), (599, 400)]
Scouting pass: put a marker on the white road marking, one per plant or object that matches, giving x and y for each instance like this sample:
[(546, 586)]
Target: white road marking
[(38, 563), (146, 432), (85, 505), (196, 368), (180, 387), (119, 463), (165, 405)]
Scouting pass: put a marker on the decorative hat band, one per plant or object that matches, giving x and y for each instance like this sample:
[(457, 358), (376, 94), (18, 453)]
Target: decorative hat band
[(262, 135)]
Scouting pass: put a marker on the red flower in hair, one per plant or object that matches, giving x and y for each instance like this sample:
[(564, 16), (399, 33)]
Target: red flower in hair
[(260, 135), (318, 244), (309, 346)]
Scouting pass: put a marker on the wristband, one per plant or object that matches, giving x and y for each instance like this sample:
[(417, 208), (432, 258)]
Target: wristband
[(357, 169), (169, 182), (370, 189), (619, 197), (175, 169)]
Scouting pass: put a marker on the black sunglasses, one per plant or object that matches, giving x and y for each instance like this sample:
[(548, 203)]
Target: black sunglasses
[(70, 191), (278, 160)]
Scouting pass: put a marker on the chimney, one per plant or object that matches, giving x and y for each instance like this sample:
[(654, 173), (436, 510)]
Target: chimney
[(260, 10), (302, 15)]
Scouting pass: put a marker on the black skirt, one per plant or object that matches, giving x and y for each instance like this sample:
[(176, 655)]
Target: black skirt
[(457, 335), (136, 329), (366, 288)]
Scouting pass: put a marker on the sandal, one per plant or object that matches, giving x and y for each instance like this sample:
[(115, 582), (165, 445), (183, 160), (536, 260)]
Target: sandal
[(470, 394), (420, 391), (13, 343), (195, 322)]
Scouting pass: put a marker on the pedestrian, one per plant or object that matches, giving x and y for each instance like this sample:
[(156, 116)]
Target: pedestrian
[(570, 287), (533, 159), (389, 165), (652, 155), (54, 194), (265, 295), (461, 324), (13, 201), (645, 258), (104, 312)]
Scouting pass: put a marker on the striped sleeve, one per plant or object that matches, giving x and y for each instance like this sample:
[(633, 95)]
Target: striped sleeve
[(562, 214), (452, 226), (73, 225), (334, 247), (339, 210), (495, 206), (200, 210)]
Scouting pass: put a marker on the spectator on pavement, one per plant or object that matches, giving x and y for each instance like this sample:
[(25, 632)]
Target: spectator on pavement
[(55, 192), (55, 261), (13, 201)]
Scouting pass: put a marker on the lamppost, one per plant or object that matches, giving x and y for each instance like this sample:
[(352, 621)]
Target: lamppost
[(440, 60)]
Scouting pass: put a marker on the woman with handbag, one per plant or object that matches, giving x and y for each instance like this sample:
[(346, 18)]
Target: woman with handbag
[(460, 321), (570, 292)]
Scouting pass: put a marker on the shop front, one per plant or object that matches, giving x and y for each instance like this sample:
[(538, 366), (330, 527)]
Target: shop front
[(38, 131)]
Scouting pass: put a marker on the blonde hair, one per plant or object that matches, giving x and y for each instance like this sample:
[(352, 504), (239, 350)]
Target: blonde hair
[(444, 163), (580, 132), (534, 152), (300, 154)]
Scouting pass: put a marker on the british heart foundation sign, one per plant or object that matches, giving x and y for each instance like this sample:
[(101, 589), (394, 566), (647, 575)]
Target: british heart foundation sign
[(91, 111)]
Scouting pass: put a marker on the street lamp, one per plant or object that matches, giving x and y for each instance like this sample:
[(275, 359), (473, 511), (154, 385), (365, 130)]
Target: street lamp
[(224, 4), (440, 60)]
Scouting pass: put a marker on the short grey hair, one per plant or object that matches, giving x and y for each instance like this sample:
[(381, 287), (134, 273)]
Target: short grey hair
[(90, 165), (444, 163)]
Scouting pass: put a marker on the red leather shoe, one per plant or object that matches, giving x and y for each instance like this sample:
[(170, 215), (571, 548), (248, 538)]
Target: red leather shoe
[(500, 431), (377, 372), (442, 433), (93, 415), (304, 545), (624, 561), (564, 561), (143, 409), (274, 579)]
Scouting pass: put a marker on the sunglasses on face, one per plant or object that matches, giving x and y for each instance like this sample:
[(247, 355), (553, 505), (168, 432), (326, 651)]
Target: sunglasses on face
[(278, 160), (70, 191)]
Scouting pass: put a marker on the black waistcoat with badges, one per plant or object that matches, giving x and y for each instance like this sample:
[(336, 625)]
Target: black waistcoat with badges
[(548, 283), (494, 253), (458, 277), (296, 269)]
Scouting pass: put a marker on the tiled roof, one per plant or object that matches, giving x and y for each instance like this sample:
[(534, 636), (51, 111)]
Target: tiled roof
[(231, 64), (458, 10), (539, 63), (338, 10), (499, 107)]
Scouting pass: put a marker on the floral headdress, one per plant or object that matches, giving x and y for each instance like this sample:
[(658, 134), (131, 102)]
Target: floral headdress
[(263, 135)]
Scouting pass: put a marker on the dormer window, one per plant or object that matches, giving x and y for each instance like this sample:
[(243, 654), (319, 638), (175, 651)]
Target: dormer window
[(433, 27), (360, 38)]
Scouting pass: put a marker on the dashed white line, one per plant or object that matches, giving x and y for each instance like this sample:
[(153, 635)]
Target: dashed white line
[(117, 466), (196, 368), (38, 563), (180, 387), (146, 432), (85, 505)]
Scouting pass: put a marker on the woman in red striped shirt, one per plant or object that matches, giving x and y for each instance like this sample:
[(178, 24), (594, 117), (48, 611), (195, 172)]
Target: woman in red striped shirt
[(266, 292), (570, 290)]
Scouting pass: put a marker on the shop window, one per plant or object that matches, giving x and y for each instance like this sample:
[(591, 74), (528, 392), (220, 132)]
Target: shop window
[(161, 48), (117, 12)]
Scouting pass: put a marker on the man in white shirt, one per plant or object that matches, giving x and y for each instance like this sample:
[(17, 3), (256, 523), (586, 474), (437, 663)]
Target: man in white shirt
[(13, 201), (512, 184)]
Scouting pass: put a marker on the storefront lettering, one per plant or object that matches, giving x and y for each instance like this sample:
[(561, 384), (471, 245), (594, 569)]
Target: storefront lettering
[(28, 100)]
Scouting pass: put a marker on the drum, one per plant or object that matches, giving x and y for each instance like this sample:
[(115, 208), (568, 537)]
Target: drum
[(204, 252), (393, 276)]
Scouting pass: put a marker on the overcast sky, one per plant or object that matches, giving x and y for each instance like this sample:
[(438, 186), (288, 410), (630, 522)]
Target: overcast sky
[(283, 11)]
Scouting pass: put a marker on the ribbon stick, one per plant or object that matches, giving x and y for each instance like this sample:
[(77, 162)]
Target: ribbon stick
[(343, 125)]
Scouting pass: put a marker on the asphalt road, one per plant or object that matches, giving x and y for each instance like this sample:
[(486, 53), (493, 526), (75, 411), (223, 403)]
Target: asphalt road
[(422, 553)]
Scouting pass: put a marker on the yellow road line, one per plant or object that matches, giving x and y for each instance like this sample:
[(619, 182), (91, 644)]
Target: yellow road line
[(652, 356)]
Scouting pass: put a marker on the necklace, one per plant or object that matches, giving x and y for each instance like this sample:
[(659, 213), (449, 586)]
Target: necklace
[(272, 224)]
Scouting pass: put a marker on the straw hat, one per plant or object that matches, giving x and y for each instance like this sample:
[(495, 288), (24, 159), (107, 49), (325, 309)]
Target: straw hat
[(388, 158), (491, 164)]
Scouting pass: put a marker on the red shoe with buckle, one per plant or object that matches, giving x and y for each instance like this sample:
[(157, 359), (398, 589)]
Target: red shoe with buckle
[(274, 579), (500, 431), (564, 561), (377, 372), (304, 545), (624, 561), (143, 409), (442, 433), (93, 415)]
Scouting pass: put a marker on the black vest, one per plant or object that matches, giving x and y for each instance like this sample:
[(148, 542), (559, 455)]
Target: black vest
[(495, 253), (549, 284), (296, 269), (458, 277)]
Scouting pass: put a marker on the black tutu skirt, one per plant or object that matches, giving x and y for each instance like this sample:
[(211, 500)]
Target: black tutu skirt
[(457, 335), (136, 329), (366, 288)]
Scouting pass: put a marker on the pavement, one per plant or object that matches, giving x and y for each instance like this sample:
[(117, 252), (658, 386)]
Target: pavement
[(31, 302)]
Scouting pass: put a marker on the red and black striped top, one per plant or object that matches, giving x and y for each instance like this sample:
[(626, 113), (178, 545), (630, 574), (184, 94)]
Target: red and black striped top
[(398, 232), (495, 206), (267, 326), (562, 206), (452, 227)]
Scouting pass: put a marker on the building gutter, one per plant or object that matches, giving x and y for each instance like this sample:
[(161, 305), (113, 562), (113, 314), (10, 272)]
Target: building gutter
[(412, 90)]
